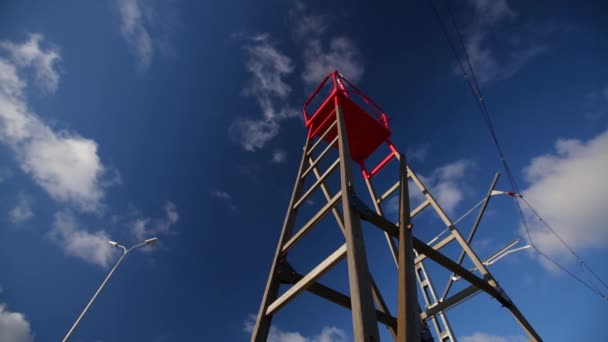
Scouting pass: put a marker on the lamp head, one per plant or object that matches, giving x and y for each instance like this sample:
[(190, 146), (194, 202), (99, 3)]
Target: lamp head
[(151, 241), (114, 244)]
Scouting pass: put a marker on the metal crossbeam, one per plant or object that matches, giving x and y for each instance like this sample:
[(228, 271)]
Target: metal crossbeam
[(451, 301), (308, 279), (343, 300)]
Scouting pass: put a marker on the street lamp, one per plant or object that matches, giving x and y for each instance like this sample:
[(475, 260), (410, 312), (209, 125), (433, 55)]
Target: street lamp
[(147, 242)]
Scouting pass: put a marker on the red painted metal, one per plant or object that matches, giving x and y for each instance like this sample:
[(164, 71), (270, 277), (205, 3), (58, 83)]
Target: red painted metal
[(382, 164), (365, 131)]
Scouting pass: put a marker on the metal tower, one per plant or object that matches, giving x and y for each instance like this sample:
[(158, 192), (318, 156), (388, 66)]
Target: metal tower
[(341, 121)]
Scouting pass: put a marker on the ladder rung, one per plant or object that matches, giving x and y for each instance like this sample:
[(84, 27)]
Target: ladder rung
[(382, 164), (314, 163), (317, 183), (331, 115), (420, 208), (322, 137), (388, 192), (314, 220)]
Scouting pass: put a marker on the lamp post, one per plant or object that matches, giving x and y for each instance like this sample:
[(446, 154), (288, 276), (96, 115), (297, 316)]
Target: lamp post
[(124, 253)]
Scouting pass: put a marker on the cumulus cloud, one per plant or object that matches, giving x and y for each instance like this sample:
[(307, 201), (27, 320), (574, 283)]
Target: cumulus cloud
[(63, 163), (67, 166), (14, 327), (279, 156), (483, 337), (22, 211), (327, 334), (322, 54), (253, 134), (488, 63), (568, 189), (30, 54), (78, 242), (268, 68), (144, 228), (448, 184)]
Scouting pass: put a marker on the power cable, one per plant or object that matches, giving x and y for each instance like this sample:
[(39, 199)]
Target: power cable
[(476, 91)]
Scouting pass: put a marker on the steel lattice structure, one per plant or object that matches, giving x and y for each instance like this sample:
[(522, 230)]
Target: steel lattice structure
[(342, 123)]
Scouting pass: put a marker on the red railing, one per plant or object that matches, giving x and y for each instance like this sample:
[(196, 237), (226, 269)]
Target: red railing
[(338, 87)]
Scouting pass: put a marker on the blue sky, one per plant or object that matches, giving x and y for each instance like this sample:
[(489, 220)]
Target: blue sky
[(124, 120)]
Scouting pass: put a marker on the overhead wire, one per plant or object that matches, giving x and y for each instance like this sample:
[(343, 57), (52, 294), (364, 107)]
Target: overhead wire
[(476, 91)]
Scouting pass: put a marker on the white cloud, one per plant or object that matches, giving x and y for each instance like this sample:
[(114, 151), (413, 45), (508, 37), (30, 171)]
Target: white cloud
[(253, 134), (165, 225), (225, 197), (305, 24), (135, 32), (139, 228), (279, 156), (30, 54), (268, 68), (144, 228), (488, 67), (327, 334), (492, 11), (171, 213), (448, 184), (323, 55), (483, 337), (489, 64), (147, 27), (65, 164), (14, 327), (22, 211), (568, 189), (342, 54), (417, 152), (90, 247)]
